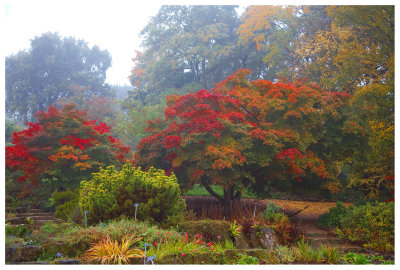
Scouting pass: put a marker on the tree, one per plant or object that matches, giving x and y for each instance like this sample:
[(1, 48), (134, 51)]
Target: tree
[(356, 55), (246, 131), (346, 49), (99, 108), (42, 75), (356, 49), (186, 44), (65, 146)]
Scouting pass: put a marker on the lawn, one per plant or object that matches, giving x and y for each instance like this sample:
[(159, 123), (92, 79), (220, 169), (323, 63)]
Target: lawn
[(198, 190)]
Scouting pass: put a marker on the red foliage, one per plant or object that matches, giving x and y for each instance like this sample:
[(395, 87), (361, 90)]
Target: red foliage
[(62, 140), (172, 141), (241, 124)]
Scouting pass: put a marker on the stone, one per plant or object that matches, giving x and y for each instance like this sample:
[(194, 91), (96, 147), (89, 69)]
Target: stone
[(268, 238), (70, 261), (241, 242), (21, 253)]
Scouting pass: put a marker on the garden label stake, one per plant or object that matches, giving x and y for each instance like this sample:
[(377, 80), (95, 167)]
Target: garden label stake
[(85, 212), (145, 245), (136, 206), (151, 258)]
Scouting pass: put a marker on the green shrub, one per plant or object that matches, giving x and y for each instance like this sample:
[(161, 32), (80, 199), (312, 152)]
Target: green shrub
[(354, 258), (271, 211), (332, 218), (66, 203), (245, 259), (370, 224), (211, 230), (17, 231), (113, 193)]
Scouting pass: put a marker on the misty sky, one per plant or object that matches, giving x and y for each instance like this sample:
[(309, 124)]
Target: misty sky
[(112, 25)]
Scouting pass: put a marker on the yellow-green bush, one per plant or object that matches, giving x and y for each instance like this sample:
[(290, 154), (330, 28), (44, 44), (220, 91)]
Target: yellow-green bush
[(371, 225), (113, 193)]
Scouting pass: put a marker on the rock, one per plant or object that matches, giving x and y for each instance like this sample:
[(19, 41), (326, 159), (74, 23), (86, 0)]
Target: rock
[(268, 238), (71, 261), (241, 242), (20, 253)]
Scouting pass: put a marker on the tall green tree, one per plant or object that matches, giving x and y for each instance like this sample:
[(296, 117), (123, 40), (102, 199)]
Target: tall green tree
[(38, 77), (186, 44)]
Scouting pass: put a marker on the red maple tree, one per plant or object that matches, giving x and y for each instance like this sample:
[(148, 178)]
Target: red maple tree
[(246, 131), (63, 144)]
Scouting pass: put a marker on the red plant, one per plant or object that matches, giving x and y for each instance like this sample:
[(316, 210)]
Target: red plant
[(223, 136), (63, 143)]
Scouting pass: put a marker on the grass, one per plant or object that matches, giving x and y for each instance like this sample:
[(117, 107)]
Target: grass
[(198, 190), (114, 252)]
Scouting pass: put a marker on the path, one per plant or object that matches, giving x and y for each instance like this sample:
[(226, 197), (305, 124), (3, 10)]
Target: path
[(38, 216), (306, 222)]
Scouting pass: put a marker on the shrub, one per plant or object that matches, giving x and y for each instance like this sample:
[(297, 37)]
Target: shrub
[(354, 258), (332, 218), (271, 211), (17, 231), (245, 259), (113, 193), (370, 224), (212, 230), (66, 203), (279, 222), (286, 231)]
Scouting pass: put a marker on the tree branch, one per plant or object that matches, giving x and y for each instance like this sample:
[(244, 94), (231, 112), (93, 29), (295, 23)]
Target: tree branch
[(213, 193)]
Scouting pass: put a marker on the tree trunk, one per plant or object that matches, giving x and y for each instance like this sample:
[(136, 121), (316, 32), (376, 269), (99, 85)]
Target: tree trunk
[(227, 199)]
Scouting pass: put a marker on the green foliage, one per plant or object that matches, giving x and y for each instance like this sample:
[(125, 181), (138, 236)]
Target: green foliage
[(303, 253), (333, 218), (38, 77), (47, 255), (198, 190), (271, 211), (186, 45), (52, 229), (66, 202), (354, 258), (245, 259), (235, 229), (113, 193), (17, 231), (29, 221), (370, 224), (11, 126), (211, 230)]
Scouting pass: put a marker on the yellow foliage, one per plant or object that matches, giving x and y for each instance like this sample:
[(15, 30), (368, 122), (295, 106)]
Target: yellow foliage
[(109, 252)]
